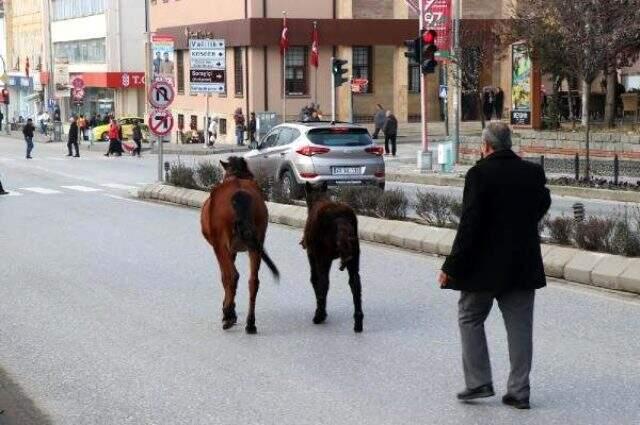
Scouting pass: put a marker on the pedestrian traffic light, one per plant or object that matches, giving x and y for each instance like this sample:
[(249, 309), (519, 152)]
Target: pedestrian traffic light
[(429, 49), (338, 71), (4, 96), (414, 50)]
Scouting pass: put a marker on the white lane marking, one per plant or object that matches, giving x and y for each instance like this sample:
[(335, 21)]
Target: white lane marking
[(82, 188), (41, 190), (118, 186)]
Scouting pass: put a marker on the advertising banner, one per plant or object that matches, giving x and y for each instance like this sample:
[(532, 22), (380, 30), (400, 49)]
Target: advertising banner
[(61, 79), (163, 57), (437, 16), (522, 74), (207, 65)]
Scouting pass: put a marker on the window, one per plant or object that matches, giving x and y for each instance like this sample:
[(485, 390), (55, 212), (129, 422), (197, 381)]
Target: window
[(362, 66), (287, 135), (81, 51), (271, 140), (296, 72), (193, 123), (238, 71), (180, 70), (222, 126), (180, 122), (414, 77), (69, 9)]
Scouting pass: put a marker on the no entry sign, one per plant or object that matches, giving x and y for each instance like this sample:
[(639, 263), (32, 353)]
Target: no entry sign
[(160, 122), (161, 94)]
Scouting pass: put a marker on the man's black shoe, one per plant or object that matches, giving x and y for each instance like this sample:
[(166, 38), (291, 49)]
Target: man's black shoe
[(76, 156), (2, 192), (480, 392), (514, 402)]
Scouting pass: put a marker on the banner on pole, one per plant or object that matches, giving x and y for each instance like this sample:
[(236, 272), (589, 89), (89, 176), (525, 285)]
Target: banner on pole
[(208, 61), (163, 57), (437, 16), (521, 85)]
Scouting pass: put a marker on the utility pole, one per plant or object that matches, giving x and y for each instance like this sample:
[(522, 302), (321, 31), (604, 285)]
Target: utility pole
[(457, 80), (333, 92)]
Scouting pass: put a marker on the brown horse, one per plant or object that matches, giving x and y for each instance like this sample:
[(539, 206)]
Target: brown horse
[(331, 232), (234, 219)]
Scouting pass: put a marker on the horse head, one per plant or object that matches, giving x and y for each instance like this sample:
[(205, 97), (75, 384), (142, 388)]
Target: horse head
[(315, 193), (236, 167)]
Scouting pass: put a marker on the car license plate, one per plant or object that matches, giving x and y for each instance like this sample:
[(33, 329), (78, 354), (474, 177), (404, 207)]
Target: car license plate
[(346, 171)]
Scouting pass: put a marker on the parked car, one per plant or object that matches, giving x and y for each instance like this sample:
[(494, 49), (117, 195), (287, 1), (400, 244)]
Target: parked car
[(101, 132), (315, 152)]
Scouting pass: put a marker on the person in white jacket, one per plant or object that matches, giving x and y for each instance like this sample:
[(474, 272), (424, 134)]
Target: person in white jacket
[(212, 132)]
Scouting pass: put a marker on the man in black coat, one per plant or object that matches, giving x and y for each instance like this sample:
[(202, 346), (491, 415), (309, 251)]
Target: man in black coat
[(390, 130), (496, 255), (73, 138)]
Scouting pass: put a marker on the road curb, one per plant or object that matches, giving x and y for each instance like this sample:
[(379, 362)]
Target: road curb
[(576, 192), (589, 268)]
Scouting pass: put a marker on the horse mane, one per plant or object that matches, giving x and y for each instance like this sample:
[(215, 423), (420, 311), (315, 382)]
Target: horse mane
[(237, 167)]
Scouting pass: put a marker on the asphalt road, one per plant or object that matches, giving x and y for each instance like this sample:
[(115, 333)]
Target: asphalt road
[(110, 314)]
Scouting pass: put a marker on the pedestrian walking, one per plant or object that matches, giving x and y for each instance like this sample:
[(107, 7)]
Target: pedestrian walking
[(378, 120), (82, 127), (136, 135), (212, 132), (499, 102), (114, 134), (239, 120), (72, 141), (1, 120), (43, 119), (496, 256), (27, 132), (390, 130), (251, 129)]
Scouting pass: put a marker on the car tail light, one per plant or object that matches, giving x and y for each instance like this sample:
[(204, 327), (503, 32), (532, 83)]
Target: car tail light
[(308, 175), (375, 150), (379, 173), (312, 150)]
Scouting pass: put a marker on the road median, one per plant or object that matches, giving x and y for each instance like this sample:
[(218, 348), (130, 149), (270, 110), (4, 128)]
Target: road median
[(590, 268), (572, 191)]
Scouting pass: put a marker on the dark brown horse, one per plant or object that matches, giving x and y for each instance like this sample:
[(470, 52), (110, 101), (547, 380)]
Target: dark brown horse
[(234, 219), (331, 232)]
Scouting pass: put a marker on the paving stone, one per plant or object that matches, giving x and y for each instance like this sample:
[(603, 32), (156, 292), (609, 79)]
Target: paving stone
[(432, 238), (607, 272), (556, 260), (629, 279), (581, 265), (446, 242), (402, 232)]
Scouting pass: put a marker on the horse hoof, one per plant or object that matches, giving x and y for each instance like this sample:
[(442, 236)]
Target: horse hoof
[(357, 328), (228, 324), (251, 329), (319, 318)]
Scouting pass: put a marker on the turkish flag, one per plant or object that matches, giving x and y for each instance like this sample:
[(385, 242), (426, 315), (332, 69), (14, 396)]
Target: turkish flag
[(26, 67), (315, 48), (284, 36)]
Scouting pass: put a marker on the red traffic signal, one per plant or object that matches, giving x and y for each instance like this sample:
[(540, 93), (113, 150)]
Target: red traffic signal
[(429, 37)]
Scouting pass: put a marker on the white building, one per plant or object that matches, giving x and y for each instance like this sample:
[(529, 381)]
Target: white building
[(98, 56)]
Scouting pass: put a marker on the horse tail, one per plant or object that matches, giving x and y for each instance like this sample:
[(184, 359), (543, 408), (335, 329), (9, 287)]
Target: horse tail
[(346, 241), (245, 228)]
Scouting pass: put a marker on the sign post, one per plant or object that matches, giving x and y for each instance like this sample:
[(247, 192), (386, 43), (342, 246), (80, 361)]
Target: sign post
[(424, 156), (160, 120)]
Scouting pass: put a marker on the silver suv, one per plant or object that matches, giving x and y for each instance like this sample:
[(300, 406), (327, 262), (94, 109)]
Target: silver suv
[(316, 152)]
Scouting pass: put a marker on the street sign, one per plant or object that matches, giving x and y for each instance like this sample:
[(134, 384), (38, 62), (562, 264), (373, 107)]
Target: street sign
[(358, 85), (77, 83), (77, 94), (443, 92), (161, 94), (160, 122), (208, 65)]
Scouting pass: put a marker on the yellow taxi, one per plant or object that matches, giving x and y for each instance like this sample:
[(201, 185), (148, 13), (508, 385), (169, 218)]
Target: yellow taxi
[(101, 132)]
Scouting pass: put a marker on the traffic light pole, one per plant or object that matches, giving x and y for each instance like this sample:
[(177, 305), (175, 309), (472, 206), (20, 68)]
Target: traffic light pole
[(424, 156)]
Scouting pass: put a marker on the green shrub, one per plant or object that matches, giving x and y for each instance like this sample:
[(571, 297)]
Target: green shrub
[(208, 175), (561, 229), (625, 241), (182, 176)]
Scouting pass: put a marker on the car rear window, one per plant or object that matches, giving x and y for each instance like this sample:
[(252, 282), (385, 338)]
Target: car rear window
[(339, 136)]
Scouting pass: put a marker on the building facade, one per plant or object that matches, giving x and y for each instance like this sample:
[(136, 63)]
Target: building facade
[(96, 51), (24, 56), (370, 34)]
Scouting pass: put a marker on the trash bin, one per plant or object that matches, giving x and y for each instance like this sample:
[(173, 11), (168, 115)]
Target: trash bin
[(445, 156)]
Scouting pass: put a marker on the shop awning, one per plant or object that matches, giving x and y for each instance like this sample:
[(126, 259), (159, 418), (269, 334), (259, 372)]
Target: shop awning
[(32, 97)]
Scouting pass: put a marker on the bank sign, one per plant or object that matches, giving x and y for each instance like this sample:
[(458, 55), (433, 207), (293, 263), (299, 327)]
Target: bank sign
[(208, 62)]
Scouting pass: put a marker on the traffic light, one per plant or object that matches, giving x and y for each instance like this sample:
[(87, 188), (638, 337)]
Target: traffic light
[(429, 50), (414, 50), (5, 96), (338, 71)]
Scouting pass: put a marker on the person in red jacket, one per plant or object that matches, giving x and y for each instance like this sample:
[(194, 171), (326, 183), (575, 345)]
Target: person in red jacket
[(115, 145)]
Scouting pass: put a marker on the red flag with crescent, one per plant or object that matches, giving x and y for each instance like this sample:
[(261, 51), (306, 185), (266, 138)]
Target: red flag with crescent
[(284, 36), (315, 47)]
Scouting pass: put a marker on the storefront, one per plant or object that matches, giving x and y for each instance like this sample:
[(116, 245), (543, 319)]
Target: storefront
[(95, 101), (25, 100)]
